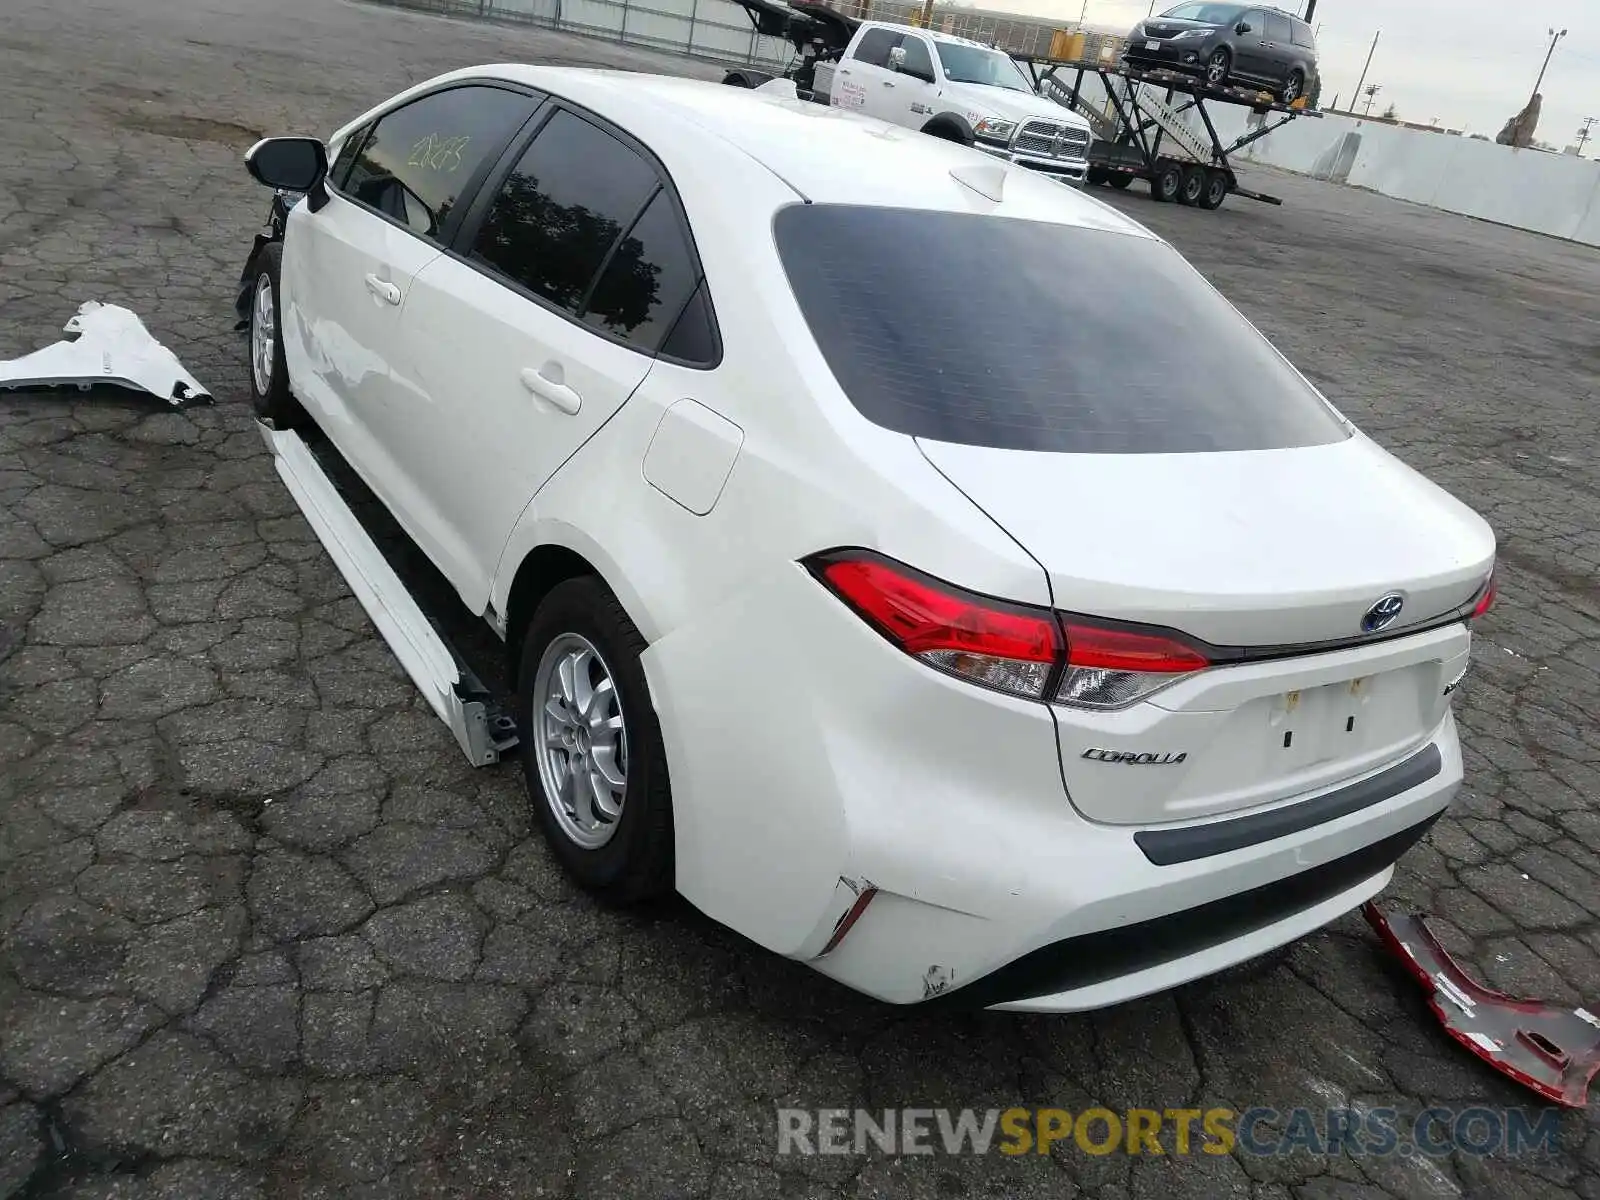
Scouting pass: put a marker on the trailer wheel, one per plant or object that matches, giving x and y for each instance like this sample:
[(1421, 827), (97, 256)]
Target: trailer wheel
[(1119, 180), (1193, 189), (1098, 177), (1167, 183), (1216, 190)]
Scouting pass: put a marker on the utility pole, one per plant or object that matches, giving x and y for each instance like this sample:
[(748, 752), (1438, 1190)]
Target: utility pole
[(1372, 94), (1370, 53), (1554, 38), (926, 19), (1584, 136)]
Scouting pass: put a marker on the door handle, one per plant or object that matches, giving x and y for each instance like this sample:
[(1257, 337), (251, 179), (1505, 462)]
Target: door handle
[(888, 83), (551, 391), (383, 289)]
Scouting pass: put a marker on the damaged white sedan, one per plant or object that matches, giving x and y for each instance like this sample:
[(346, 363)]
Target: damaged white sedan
[(912, 562)]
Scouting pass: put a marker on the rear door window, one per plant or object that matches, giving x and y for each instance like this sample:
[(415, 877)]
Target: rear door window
[(1278, 29), (1023, 335), (423, 159), (570, 197), (1303, 35), (874, 46), (587, 224)]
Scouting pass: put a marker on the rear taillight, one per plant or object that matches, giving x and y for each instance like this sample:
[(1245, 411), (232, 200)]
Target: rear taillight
[(1013, 648), (1486, 598), (1008, 647), (1114, 667)]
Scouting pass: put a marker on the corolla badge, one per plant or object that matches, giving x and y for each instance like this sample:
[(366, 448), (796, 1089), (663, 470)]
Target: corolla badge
[(1383, 613)]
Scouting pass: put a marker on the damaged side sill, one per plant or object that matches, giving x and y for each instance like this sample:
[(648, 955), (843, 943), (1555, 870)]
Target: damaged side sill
[(454, 694), (110, 345)]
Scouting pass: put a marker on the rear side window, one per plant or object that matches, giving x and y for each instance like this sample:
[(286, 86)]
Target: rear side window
[(1023, 335), (573, 193), (1303, 35), (647, 280), (875, 45), (1278, 29), (421, 158)]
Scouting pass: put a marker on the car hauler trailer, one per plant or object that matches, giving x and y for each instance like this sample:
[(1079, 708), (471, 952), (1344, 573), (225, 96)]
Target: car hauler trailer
[(1143, 134)]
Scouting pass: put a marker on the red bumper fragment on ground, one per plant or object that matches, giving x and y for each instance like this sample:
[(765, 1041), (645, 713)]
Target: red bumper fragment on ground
[(1549, 1048)]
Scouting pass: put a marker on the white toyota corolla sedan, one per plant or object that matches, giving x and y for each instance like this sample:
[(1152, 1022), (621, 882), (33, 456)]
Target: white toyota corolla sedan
[(913, 562)]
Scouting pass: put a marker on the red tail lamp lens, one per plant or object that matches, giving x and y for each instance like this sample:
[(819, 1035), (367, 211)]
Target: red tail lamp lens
[(1119, 650)]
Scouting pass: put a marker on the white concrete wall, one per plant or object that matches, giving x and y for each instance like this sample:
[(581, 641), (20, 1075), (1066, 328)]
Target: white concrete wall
[(1558, 195)]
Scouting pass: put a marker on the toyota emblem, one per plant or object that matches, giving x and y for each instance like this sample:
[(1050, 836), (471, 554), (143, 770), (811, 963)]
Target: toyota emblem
[(1383, 613)]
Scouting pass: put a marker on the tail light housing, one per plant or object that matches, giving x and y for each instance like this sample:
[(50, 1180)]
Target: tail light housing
[(1485, 599), (1021, 650)]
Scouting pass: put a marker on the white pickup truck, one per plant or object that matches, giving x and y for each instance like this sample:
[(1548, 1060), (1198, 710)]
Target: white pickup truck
[(945, 86)]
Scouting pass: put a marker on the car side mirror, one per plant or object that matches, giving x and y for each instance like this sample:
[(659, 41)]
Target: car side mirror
[(1242, 27), (292, 164), (897, 59)]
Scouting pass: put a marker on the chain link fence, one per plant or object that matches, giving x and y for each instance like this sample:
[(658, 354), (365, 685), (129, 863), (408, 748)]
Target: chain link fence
[(713, 29), (721, 31)]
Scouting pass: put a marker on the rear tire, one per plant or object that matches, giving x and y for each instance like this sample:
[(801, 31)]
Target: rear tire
[(1193, 188), (1293, 87), (1097, 177), (1167, 183), (1216, 190), (585, 720), (1120, 180), (269, 372)]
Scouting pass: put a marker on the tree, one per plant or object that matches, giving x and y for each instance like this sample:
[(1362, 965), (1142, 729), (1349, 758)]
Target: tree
[(1390, 114)]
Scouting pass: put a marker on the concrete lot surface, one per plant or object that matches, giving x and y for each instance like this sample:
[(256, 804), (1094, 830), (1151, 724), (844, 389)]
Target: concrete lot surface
[(263, 933)]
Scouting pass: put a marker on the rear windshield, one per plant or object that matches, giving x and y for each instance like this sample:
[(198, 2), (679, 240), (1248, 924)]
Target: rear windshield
[(1022, 335)]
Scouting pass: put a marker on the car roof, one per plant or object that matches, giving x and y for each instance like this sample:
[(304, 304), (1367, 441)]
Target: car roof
[(932, 34), (824, 154)]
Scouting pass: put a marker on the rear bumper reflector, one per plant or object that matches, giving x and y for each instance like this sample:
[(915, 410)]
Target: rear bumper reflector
[(1167, 847)]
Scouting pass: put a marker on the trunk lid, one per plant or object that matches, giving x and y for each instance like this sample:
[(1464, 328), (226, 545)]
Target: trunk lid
[(1246, 548), (1282, 551)]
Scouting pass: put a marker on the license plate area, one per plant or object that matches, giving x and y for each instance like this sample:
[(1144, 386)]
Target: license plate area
[(1152, 45), (1345, 721)]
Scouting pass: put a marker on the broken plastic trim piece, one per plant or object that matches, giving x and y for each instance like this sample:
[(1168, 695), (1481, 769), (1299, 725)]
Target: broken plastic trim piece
[(455, 695), (110, 346), (1552, 1049)]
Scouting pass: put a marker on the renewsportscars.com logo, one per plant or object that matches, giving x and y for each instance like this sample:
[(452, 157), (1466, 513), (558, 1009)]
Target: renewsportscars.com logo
[(1260, 1132)]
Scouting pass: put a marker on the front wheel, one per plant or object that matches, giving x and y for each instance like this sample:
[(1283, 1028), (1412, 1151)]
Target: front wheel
[(592, 750), (1218, 67), (269, 373)]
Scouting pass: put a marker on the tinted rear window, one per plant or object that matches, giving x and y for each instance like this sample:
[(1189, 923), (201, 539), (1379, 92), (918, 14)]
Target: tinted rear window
[(1023, 335)]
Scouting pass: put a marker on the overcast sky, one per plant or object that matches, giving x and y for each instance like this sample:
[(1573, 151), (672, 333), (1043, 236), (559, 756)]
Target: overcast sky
[(1471, 63)]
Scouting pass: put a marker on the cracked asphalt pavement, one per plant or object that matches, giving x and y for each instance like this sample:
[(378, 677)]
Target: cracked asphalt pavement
[(264, 933)]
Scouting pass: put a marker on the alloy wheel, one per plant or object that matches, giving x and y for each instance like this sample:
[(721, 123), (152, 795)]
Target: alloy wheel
[(263, 334), (582, 746)]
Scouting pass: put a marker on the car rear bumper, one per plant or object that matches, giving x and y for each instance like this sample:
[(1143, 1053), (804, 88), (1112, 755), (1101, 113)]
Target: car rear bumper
[(843, 769)]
